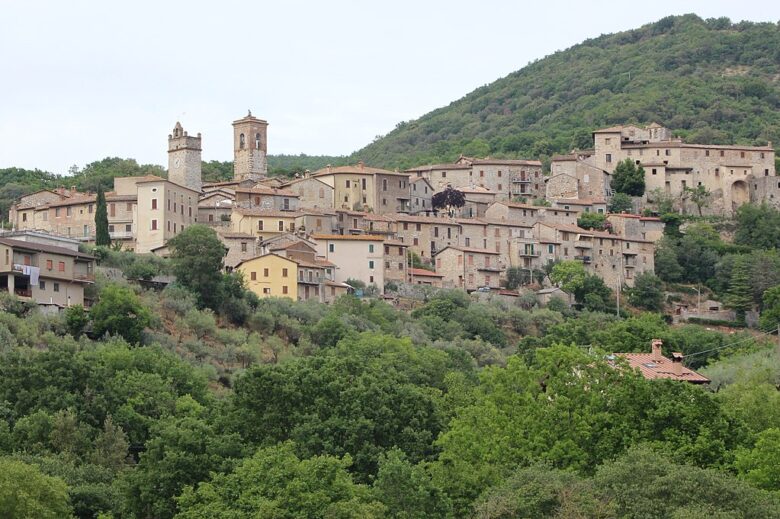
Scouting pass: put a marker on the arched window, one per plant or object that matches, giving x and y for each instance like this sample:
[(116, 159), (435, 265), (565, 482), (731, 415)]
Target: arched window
[(241, 142), (257, 141)]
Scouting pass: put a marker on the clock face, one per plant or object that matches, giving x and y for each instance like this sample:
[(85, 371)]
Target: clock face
[(176, 163)]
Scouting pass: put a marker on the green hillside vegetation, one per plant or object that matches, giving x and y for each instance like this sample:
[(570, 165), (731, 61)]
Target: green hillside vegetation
[(202, 400), (711, 81)]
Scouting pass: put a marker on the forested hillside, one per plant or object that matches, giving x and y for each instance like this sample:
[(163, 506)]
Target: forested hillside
[(709, 80)]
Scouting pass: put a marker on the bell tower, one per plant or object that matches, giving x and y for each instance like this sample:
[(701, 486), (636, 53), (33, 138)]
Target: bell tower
[(184, 166), (250, 146)]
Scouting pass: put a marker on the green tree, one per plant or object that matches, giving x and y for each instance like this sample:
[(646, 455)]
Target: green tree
[(739, 296), (120, 312), (27, 493), (770, 316), (647, 292), (516, 276), (569, 275), (102, 237), (76, 320), (758, 226), (628, 178), (196, 256), (620, 203), (277, 483), (592, 221), (593, 294), (407, 490), (760, 465), (699, 195)]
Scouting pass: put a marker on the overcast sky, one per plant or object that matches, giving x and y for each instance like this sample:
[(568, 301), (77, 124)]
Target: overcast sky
[(83, 80)]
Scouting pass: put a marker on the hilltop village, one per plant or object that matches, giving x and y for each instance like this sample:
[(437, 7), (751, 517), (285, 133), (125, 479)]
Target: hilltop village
[(305, 238)]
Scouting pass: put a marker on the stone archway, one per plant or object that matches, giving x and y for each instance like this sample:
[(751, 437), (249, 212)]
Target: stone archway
[(739, 194)]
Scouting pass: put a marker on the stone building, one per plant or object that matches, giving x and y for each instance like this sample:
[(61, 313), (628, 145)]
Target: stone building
[(263, 223), (46, 274), (421, 194), (365, 188), (214, 208), (634, 226), (250, 147), (672, 165), (426, 235), (164, 210), (266, 198), (574, 176), (184, 162), (312, 193), (469, 268), (507, 178), (395, 258)]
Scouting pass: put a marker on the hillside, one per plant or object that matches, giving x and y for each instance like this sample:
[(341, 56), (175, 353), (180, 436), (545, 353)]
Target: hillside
[(709, 80)]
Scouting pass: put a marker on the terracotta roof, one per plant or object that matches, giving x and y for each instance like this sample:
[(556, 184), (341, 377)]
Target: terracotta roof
[(246, 260), (423, 219), (516, 205), (266, 191), (640, 217), (423, 272), (611, 129), (235, 235), (348, 237), (564, 158), (680, 144), (476, 189), (272, 213), (506, 162), (580, 201), (396, 243), (147, 178), (431, 167), (75, 200), (358, 168), (288, 245), (654, 367), (39, 247)]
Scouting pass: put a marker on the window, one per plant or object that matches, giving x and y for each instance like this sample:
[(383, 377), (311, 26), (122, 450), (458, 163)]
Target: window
[(471, 259), (154, 225), (347, 184), (89, 209), (468, 242), (42, 284), (331, 247), (154, 203), (655, 171), (668, 153), (284, 272), (742, 154), (86, 230), (129, 206), (243, 246), (241, 141), (499, 173), (57, 212), (257, 141), (281, 225), (481, 174), (419, 227), (436, 232), (550, 249), (363, 182), (609, 157), (253, 276), (266, 291), (56, 287), (49, 264), (406, 226), (371, 264), (416, 241), (722, 153), (706, 153), (500, 187), (443, 174), (384, 184), (370, 247), (69, 211), (265, 272)]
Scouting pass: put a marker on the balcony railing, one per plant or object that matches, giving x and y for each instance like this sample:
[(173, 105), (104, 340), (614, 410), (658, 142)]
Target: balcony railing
[(584, 259), (530, 253), (84, 276), (121, 235), (23, 292)]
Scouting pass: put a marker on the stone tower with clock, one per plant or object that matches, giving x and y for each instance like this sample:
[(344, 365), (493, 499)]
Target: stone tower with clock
[(250, 146), (184, 165)]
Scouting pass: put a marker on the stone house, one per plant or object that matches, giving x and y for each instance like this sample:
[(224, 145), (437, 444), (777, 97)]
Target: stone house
[(395, 258), (426, 235), (214, 208), (672, 165), (317, 221), (262, 197), (581, 205), (634, 226), (43, 273), (469, 268), (239, 246), (574, 176), (366, 188), (312, 193), (426, 277), (421, 194), (478, 199)]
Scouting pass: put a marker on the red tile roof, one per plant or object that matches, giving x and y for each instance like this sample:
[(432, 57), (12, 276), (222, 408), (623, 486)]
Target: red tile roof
[(423, 272), (652, 367)]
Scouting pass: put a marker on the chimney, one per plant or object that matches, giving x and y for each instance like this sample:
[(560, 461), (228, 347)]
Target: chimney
[(72, 189), (656, 350), (360, 164), (677, 359)]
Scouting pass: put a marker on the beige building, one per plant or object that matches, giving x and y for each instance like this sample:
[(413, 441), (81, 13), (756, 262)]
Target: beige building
[(263, 223), (356, 257), (184, 162), (575, 176), (364, 188), (164, 210), (46, 274), (426, 235), (525, 215), (395, 258), (634, 226), (421, 194), (426, 277), (214, 208), (672, 165), (507, 178), (469, 268), (270, 275)]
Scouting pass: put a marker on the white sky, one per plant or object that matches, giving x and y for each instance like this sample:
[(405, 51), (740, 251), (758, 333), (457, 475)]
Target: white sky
[(83, 80)]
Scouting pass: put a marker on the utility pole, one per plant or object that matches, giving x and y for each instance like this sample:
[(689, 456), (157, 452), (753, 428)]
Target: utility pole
[(617, 306)]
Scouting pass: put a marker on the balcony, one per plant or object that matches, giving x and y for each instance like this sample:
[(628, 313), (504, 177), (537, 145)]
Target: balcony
[(123, 235), (584, 259), (521, 180), (491, 268), (529, 253), (84, 276), (584, 245), (23, 292)]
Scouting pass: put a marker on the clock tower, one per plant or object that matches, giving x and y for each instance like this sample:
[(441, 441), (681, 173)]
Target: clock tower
[(184, 166), (250, 146)]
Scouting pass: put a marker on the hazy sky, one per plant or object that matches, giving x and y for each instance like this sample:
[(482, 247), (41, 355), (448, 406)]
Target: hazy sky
[(83, 80)]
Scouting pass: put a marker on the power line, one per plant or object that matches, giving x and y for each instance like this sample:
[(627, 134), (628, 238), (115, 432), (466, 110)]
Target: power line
[(751, 338)]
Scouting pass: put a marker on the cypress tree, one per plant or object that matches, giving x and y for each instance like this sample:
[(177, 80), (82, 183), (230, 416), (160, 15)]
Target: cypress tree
[(739, 296), (101, 220)]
